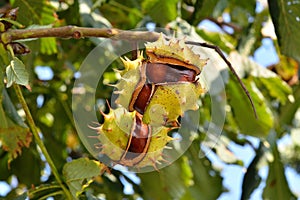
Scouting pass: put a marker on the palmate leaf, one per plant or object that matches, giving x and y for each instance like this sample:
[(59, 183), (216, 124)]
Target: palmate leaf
[(128, 17), (286, 19), (16, 73), (80, 173), (241, 10), (249, 42)]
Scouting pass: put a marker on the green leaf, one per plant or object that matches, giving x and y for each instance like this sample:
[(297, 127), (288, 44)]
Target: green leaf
[(35, 12), (3, 63), (243, 112), (71, 15), (240, 11), (187, 178), (287, 68), (207, 182), (286, 19), (263, 77), (222, 150), (224, 41), (5, 173), (161, 12), (34, 167), (276, 184), (48, 46), (179, 174), (128, 14), (276, 88), (288, 111), (16, 73), (203, 9), (10, 110), (80, 173), (52, 118)]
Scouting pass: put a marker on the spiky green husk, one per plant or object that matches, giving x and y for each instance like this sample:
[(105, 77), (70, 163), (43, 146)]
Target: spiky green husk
[(132, 64), (168, 102), (171, 101), (158, 143), (130, 77), (114, 133), (176, 49)]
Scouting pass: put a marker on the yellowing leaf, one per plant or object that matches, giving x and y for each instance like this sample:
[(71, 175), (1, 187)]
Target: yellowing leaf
[(13, 137), (14, 134)]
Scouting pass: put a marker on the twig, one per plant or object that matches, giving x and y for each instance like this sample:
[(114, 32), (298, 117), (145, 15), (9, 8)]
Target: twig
[(218, 50), (77, 33)]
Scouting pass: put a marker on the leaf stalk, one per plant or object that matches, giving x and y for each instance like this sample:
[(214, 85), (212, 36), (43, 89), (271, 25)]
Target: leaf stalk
[(39, 141)]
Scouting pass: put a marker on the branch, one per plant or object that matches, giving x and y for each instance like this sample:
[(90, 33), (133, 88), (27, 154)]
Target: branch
[(77, 33), (115, 34)]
